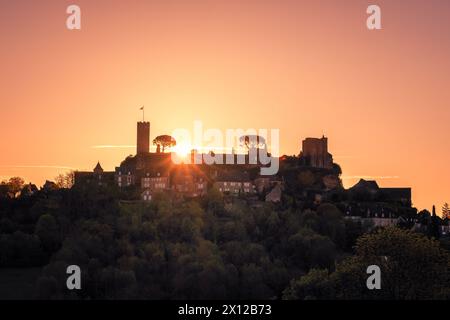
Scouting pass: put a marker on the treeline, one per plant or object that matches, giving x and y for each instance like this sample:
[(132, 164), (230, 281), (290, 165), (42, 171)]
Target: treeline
[(196, 249)]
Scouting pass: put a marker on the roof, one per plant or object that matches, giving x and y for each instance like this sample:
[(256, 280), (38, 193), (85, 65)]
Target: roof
[(366, 184), (234, 176), (274, 195), (98, 167)]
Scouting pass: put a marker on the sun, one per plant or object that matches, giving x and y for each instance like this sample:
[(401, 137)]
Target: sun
[(182, 150)]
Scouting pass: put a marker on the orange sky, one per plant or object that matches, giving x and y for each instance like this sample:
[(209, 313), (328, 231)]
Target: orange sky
[(305, 67)]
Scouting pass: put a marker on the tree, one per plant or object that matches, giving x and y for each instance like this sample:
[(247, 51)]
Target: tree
[(66, 180), (164, 141), (48, 232), (214, 199), (445, 211), (433, 227), (253, 142), (315, 285), (412, 267), (306, 178), (308, 249), (337, 169), (46, 287), (12, 187)]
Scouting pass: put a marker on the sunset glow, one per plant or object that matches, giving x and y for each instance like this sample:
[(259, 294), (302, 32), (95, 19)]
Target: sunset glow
[(182, 150)]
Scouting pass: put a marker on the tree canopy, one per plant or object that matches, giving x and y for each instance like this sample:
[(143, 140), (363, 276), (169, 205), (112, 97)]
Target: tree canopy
[(164, 141)]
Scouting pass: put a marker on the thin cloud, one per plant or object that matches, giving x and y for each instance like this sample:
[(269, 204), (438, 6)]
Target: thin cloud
[(343, 156), (370, 177), (38, 167), (198, 148), (111, 146)]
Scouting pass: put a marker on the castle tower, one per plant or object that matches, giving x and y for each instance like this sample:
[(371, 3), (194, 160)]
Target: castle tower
[(315, 153), (143, 137)]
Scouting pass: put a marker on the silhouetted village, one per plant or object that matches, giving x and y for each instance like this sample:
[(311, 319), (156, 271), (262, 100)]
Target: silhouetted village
[(303, 181)]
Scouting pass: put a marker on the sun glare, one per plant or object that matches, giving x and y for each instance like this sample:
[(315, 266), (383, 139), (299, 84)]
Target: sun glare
[(182, 150)]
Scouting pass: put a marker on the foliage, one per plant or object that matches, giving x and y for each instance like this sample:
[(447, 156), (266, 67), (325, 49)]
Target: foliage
[(164, 141), (412, 267), (213, 247), (445, 211), (65, 180)]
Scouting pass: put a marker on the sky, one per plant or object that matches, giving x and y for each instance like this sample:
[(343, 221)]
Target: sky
[(307, 68)]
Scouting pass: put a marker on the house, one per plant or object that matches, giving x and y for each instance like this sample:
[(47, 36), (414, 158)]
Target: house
[(234, 183), (153, 183), (49, 186), (369, 190), (266, 183), (28, 190), (97, 176), (133, 169), (188, 181)]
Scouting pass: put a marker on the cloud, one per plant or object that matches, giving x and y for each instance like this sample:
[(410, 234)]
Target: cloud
[(110, 146), (38, 167), (370, 177)]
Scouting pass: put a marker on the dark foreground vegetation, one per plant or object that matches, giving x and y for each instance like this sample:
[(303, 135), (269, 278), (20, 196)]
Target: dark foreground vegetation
[(210, 248)]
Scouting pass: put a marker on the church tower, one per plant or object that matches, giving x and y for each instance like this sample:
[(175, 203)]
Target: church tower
[(143, 137)]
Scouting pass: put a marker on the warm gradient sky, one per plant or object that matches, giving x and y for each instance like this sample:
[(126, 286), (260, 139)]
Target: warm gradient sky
[(306, 67)]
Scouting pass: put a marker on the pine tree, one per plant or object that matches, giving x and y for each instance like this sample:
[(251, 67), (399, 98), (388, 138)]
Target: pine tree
[(434, 225)]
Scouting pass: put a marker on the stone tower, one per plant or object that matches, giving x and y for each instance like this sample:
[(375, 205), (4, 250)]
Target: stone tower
[(315, 153), (143, 137)]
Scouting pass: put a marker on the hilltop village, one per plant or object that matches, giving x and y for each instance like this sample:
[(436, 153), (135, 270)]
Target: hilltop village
[(154, 229), (306, 180)]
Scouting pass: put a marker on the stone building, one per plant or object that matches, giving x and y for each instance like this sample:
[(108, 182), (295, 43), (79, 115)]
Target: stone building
[(234, 183), (369, 190), (143, 138), (189, 183), (315, 153), (98, 176)]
